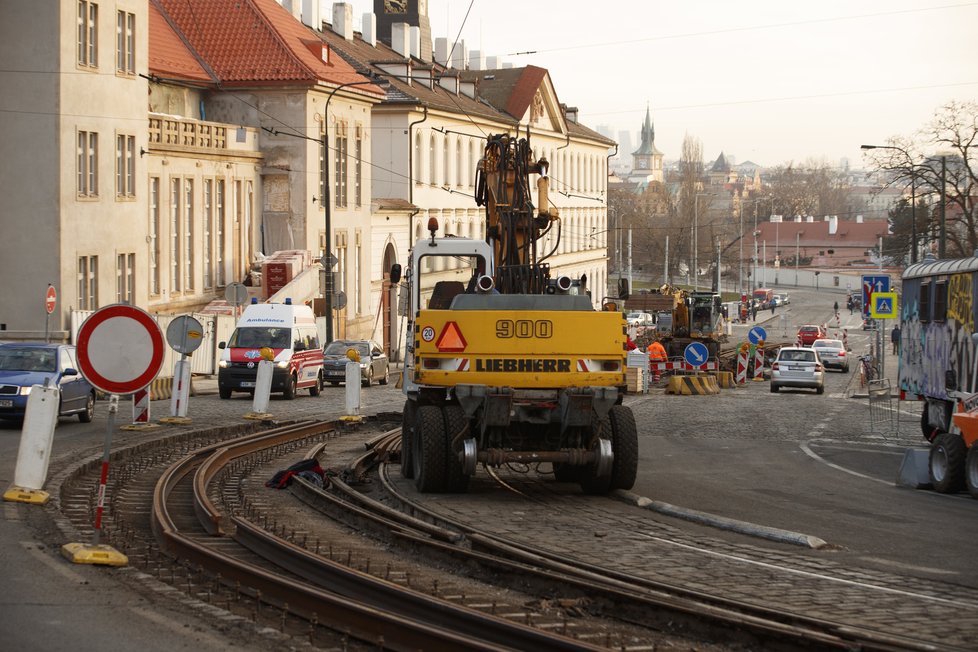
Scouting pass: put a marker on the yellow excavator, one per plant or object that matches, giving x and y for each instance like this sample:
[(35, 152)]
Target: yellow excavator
[(696, 317), (509, 365)]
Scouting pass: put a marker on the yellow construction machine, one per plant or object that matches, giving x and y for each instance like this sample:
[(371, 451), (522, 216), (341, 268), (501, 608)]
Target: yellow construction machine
[(503, 363)]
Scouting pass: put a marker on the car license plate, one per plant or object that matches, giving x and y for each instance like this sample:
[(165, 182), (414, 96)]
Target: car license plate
[(337, 374), (247, 383), (6, 403)]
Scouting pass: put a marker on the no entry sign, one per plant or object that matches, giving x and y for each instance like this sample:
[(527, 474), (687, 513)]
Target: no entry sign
[(120, 349), (50, 299)]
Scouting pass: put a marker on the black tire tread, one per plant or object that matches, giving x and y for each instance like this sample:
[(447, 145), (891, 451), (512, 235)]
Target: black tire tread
[(456, 481), (408, 418), (953, 448), (429, 450), (971, 470), (624, 444)]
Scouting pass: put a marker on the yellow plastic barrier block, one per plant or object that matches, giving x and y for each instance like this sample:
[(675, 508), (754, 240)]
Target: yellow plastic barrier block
[(22, 495), (177, 421), (692, 385), (81, 553), (725, 379), (259, 416)]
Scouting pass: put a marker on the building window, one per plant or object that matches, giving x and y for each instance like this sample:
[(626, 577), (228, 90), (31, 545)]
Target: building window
[(358, 168), (88, 282), (208, 220), (341, 150), (220, 215), (124, 276), (87, 164), (322, 168), (358, 295), (125, 166), (459, 172), (154, 236), (188, 233), (940, 301), (175, 198), (87, 33), (445, 167), (417, 159), (432, 162), (125, 46)]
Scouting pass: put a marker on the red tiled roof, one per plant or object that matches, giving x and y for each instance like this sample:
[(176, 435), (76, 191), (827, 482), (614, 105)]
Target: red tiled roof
[(523, 91), (256, 42), (168, 54)]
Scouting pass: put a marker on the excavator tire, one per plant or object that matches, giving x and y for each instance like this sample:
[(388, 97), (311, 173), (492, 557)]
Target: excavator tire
[(946, 463), (408, 418), (428, 454), (624, 444), (455, 422), (592, 484)]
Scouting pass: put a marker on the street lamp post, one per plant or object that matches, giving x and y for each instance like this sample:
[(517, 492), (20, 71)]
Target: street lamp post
[(327, 201), (913, 196)]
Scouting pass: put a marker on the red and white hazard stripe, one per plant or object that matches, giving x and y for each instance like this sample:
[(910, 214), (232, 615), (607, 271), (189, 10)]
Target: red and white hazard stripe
[(140, 406)]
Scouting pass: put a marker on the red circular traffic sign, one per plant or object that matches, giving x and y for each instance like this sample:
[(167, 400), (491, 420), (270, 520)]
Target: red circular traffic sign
[(51, 299), (120, 349)]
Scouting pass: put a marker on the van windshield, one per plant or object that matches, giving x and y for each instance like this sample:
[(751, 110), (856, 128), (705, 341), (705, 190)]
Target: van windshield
[(254, 337)]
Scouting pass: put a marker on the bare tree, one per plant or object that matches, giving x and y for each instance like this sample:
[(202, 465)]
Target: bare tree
[(812, 188), (690, 183), (941, 155)]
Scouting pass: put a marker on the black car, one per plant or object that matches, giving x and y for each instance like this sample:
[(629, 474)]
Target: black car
[(374, 365), (25, 364)]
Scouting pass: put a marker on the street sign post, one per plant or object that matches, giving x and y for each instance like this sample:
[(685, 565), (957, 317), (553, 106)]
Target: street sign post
[(871, 284), (757, 334), (120, 351), (696, 354), (50, 301), (184, 335)]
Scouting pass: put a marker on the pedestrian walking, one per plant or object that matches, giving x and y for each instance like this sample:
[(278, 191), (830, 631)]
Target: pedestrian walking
[(753, 312), (895, 339)]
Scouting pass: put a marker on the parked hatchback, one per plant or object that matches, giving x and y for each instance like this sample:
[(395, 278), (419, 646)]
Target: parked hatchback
[(374, 365), (25, 364), (797, 366), (832, 353), (808, 334)]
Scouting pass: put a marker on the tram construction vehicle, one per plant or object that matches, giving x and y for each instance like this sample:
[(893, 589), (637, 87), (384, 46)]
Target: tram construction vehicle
[(939, 365), (512, 366)]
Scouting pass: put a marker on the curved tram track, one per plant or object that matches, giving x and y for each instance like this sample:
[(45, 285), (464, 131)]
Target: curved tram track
[(222, 542)]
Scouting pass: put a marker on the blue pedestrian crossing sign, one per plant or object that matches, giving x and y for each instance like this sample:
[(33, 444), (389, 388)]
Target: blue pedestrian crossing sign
[(696, 354), (757, 334), (884, 305)]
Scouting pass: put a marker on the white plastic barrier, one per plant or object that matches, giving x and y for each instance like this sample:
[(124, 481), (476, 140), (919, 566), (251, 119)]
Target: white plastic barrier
[(352, 389), (180, 397), (37, 437), (263, 386)]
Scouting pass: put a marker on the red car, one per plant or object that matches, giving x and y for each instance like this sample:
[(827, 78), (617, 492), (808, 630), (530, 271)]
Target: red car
[(808, 334)]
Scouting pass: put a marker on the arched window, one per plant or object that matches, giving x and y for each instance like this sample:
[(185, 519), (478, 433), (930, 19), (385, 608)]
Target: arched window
[(474, 159), (417, 159), (432, 162), (459, 170), (445, 167)]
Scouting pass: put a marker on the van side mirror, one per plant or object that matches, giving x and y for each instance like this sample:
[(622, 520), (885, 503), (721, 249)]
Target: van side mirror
[(395, 274), (222, 345)]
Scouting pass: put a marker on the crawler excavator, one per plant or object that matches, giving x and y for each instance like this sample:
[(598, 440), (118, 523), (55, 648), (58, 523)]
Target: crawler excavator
[(513, 366)]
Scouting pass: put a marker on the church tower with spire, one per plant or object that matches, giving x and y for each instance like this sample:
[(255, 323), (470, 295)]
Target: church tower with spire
[(647, 159)]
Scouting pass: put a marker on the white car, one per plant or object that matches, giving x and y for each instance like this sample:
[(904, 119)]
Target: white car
[(640, 319), (832, 353), (797, 366)]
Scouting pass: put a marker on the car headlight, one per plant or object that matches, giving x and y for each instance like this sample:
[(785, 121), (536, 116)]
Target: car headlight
[(24, 391), (223, 364), (284, 364), (363, 365)]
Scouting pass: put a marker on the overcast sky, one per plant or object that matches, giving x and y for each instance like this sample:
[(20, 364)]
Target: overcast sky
[(764, 80)]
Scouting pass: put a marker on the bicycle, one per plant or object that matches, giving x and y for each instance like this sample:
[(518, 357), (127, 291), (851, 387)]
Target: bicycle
[(868, 372)]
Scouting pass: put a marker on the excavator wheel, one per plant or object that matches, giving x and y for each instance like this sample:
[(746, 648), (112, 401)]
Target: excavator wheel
[(624, 444), (971, 470), (408, 418), (428, 453), (946, 463), (455, 422)]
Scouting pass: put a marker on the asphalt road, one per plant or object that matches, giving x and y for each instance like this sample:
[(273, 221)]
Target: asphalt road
[(803, 462)]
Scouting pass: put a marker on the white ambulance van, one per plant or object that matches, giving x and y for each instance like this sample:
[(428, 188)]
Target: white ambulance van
[(290, 332)]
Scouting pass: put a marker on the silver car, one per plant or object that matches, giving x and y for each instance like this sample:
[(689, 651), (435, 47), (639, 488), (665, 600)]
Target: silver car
[(374, 365), (832, 353), (797, 366)]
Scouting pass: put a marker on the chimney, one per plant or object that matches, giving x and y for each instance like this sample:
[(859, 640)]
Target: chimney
[(810, 218), (370, 29), (477, 60), (460, 55), (833, 224), (400, 39), (859, 219), (441, 51), (343, 20), (294, 7), (312, 14), (494, 63), (414, 34), (570, 112), (797, 218)]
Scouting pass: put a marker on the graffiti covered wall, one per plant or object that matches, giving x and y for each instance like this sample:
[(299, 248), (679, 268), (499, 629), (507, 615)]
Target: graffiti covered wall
[(929, 349)]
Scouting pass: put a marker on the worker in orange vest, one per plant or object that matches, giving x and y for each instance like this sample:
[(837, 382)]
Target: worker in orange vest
[(657, 353)]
